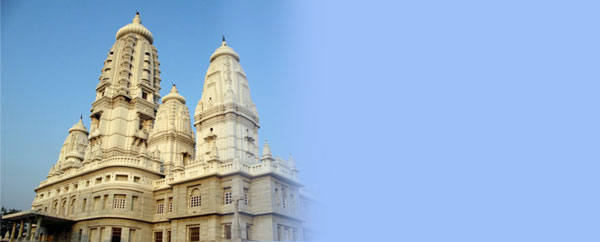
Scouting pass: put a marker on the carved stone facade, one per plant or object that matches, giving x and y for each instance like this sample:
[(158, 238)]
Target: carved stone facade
[(141, 174)]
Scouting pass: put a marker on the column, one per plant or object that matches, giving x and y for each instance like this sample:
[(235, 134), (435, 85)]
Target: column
[(29, 227), (125, 234), (20, 235), (12, 232), (38, 228)]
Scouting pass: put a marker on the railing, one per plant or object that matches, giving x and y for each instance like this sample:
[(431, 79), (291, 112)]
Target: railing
[(139, 162), (276, 166)]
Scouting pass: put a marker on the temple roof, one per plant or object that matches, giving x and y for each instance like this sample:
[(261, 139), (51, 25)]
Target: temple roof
[(136, 27), (174, 94), (224, 50)]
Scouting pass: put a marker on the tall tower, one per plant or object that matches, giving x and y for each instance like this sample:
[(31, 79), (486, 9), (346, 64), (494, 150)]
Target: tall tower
[(127, 95), (226, 119)]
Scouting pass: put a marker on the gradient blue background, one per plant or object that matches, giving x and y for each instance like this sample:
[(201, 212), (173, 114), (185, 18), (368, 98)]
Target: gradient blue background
[(410, 121)]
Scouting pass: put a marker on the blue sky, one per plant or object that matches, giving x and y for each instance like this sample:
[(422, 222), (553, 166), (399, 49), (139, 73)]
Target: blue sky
[(410, 121)]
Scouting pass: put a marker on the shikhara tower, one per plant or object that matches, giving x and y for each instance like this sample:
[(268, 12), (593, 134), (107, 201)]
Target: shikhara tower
[(226, 117), (140, 173)]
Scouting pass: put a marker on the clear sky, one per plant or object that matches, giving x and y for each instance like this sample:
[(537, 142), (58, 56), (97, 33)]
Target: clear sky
[(409, 120)]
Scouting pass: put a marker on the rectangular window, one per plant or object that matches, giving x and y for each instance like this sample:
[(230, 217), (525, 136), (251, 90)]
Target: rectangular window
[(195, 201), (79, 235), (87, 183), (160, 206), (121, 177), (248, 231), (98, 180), (116, 235), (119, 201), (144, 95), (195, 234), (158, 236), (134, 202), (84, 203), (107, 178), (105, 202), (227, 196), (136, 179), (227, 231), (169, 236), (246, 191), (96, 203), (283, 200)]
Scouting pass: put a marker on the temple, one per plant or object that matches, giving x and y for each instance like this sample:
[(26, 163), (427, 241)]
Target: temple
[(142, 173)]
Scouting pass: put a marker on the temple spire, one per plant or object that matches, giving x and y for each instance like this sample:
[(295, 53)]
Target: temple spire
[(292, 163), (266, 152)]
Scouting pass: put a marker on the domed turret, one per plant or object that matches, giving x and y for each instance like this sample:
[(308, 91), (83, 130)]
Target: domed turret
[(266, 152), (172, 134), (73, 150), (292, 163), (224, 50), (136, 27)]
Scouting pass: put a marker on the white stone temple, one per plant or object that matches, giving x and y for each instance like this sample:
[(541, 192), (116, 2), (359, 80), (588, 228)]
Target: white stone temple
[(140, 173)]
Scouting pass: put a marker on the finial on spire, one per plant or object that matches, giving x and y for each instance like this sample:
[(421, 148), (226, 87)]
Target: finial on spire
[(80, 116), (224, 42), (174, 89), (137, 18)]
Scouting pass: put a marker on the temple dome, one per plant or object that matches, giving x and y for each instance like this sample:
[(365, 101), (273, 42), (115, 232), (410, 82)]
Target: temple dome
[(172, 116), (136, 27), (78, 127), (174, 94), (224, 50)]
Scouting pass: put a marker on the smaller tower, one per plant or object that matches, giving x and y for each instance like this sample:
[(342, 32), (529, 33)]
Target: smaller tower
[(172, 137), (73, 150), (266, 152)]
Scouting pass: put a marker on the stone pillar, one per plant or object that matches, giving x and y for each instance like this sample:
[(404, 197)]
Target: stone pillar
[(125, 234), (12, 232), (106, 235), (20, 235), (29, 227), (38, 228)]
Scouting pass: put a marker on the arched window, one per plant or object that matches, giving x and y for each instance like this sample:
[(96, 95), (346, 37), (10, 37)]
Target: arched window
[(55, 207), (72, 206), (63, 207), (195, 198)]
